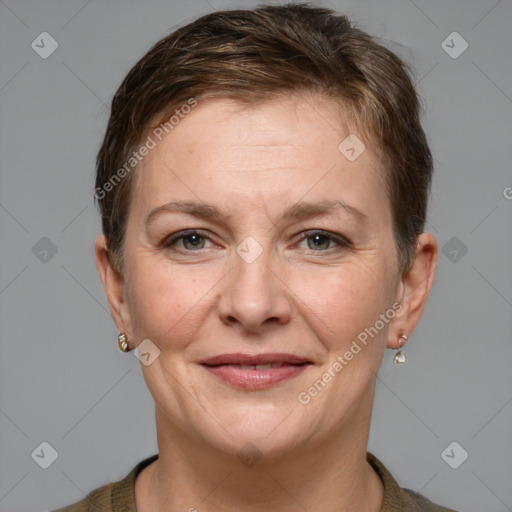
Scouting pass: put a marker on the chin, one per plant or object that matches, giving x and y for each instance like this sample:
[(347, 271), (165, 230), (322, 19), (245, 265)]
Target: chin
[(256, 432)]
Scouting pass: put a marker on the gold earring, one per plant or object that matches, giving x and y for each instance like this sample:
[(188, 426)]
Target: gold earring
[(400, 356), (122, 341)]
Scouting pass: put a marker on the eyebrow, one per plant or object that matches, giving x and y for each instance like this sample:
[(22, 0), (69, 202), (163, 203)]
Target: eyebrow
[(298, 211)]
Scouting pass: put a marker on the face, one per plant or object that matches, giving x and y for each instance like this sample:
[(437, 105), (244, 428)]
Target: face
[(252, 239)]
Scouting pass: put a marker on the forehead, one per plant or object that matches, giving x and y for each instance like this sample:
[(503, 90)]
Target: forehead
[(309, 122), (276, 149)]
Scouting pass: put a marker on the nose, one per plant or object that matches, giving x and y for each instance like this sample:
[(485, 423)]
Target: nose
[(255, 296)]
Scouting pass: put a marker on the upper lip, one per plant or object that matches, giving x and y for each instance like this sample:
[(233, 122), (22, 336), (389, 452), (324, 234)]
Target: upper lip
[(248, 359)]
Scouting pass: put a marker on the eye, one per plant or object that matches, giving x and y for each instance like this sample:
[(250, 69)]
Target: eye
[(321, 241), (194, 241), (191, 241)]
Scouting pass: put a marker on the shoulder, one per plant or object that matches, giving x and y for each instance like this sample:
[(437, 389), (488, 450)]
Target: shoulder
[(99, 500), (397, 499), (113, 497), (415, 502)]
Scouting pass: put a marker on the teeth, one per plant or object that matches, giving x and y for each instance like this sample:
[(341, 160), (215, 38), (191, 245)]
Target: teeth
[(263, 366), (267, 366)]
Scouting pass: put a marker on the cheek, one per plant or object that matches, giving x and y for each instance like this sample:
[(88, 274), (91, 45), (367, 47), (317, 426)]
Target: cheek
[(342, 303), (166, 304)]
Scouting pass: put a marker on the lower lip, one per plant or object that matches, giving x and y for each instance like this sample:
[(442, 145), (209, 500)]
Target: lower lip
[(255, 379)]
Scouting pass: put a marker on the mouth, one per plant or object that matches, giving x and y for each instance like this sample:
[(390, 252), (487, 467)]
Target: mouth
[(255, 371)]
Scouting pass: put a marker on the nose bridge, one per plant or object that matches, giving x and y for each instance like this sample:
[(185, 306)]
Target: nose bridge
[(253, 294), (251, 271)]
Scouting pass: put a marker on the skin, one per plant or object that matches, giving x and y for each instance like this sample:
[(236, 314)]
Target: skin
[(303, 295)]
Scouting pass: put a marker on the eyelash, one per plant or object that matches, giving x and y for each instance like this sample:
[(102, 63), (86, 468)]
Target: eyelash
[(170, 242)]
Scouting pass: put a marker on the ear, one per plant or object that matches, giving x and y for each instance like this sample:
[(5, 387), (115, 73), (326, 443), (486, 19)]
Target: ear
[(114, 285), (415, 286)]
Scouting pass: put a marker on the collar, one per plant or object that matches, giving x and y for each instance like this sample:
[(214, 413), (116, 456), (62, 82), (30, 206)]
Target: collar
[(123, 492)]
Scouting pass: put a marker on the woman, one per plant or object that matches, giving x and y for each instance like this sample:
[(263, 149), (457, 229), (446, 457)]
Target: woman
[(263, 187)]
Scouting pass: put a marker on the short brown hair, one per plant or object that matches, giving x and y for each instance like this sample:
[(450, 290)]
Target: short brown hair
[(253, 55)]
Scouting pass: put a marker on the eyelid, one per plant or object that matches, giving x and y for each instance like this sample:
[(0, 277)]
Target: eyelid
[(171, 240), (338, 239)]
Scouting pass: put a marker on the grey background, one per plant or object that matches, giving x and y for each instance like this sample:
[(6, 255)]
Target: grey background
[(63, 379)]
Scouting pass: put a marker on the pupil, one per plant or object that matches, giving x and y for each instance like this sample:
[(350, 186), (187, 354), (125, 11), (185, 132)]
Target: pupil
[(322, 241), (194, 240)]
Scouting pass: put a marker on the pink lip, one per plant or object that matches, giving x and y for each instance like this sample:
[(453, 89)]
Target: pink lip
[(227, 367), (270, 357)]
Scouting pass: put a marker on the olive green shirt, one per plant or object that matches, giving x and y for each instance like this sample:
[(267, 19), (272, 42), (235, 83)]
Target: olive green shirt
[(120, 496)]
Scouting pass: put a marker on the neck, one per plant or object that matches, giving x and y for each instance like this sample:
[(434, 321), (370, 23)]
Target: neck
[(190, 476)]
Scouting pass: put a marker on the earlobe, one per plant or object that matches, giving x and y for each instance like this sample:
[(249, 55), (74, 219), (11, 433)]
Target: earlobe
[(415, 287), (113, 284)]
